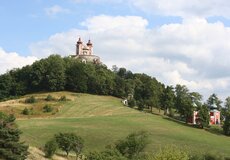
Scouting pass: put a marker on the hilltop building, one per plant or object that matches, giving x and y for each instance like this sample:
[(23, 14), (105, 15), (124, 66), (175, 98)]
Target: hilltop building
[(214, 116), (85, 52)]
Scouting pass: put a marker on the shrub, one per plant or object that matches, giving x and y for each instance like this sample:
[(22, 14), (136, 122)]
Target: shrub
[(172, 153), (50, 148), (109, 154), (63, 98), (30, 100), (132, 103), (132, 145), (25, 111), (49, 98), (47, 108)]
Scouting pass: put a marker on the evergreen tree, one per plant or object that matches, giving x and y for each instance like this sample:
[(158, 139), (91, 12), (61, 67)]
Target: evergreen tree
[(214, 101), (10, 147), (204, 116), (226, 126)]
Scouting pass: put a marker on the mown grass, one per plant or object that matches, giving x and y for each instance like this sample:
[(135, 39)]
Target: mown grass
[(102, 120)]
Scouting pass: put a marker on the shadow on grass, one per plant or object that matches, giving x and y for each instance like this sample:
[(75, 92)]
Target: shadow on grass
[(180, 122), (212, 129), (215, 130)]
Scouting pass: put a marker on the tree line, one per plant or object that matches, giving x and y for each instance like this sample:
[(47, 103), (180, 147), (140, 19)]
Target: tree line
[(56, 74)]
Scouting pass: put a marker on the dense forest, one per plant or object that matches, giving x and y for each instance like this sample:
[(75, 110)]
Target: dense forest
[(56, 74)]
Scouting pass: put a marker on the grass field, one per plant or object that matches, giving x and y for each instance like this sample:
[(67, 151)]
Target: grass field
[(101, 120)]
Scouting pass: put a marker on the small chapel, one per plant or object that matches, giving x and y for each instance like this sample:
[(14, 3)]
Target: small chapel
[(85, 52)]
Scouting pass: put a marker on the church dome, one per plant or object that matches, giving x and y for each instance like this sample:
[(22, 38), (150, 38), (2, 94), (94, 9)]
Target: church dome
[(89, 43)]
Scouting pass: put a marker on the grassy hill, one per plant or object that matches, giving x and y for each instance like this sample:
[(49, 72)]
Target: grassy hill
[(101, 120)]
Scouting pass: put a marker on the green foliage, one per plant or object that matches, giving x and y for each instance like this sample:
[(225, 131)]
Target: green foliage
[(132, 103), (168, 100), (63, 98), (170, 153), (10, 147), (31, 99), (132, 145), (49, 98), (212, 156), (78, 144), (69, 142), (47, 108), (50, 148), (109, 154), (227, 104), (184, 102), (226, 126), (214, 100), (204, 116), (26, 111)]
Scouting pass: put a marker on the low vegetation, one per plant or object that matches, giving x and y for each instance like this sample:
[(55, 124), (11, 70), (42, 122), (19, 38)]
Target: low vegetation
[(50, 148), (31, 99)]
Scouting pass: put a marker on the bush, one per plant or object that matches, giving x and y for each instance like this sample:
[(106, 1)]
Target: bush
[(25, 111), (172, 153), (47, 108), (50, 148), (30, 100), (63, 98), (49, 98), (132, 103), (109, 154), (132, 145)]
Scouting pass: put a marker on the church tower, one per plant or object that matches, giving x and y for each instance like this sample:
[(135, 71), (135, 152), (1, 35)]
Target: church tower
[(79, 47), (90, 46)]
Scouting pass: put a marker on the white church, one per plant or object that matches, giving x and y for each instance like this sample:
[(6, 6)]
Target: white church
[(85, 52)]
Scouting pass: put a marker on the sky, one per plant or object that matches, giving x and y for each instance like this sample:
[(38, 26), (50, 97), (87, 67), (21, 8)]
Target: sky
[(176, 41)]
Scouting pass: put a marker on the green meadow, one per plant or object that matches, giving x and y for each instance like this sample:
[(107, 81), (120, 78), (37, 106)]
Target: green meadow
[(102, 120)]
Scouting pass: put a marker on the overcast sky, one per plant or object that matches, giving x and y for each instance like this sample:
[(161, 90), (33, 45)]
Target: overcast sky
[(176, 41)]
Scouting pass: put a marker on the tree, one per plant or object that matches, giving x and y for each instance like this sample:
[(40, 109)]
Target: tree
[(184, 103), (132, 145), (168, 99), (77, 76), (5, 85), (226, 126), (69, 142), (204, 116), (214, 101), (227, 104), (50, 148), (78, 145), (10, 147)]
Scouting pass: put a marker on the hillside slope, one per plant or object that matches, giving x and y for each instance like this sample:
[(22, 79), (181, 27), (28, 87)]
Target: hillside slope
[(101, 120)]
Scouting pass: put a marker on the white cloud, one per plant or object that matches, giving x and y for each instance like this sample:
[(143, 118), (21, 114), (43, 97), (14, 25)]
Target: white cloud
[(185, 8), (56, 9), (12, 60), (195, 53)]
